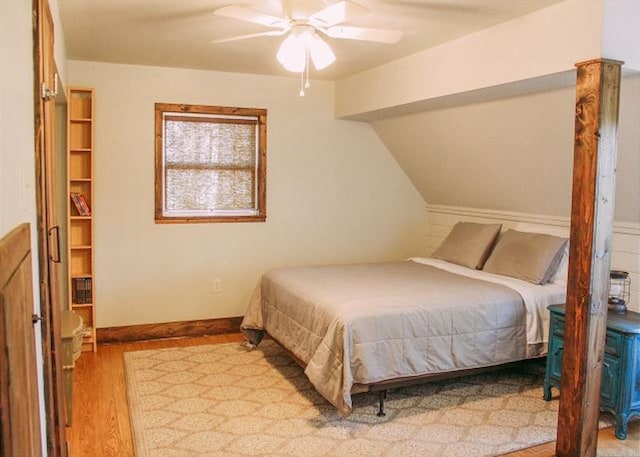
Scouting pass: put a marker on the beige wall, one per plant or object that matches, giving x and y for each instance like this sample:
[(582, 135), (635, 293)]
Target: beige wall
[(620, 32), (334, 194), (59, 46), (17, 175), (512, 154), (17, 158)]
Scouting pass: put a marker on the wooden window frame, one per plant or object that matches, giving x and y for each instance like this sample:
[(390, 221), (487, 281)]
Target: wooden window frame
[(162, 109)]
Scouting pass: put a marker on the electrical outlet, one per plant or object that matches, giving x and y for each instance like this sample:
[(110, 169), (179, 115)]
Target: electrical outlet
[(217, 285)]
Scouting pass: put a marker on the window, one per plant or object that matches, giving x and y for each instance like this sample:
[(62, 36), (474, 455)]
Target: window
[(210, 164)]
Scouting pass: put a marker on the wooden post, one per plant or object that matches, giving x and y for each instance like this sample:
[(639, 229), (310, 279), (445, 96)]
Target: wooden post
[(592, 204)]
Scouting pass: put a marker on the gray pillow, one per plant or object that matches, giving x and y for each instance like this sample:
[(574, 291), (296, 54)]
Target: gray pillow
[(532, 257), (468, 244)]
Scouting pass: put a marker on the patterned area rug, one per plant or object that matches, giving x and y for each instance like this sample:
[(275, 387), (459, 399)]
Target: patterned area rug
[(224, 400)]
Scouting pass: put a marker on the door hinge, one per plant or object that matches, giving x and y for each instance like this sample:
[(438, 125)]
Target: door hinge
[(35, 319), (48, 94)]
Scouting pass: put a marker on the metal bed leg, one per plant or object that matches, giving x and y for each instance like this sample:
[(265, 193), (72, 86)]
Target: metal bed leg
[(382, 395)]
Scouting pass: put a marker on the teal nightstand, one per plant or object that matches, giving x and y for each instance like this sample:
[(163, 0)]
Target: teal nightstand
[(620, 388)]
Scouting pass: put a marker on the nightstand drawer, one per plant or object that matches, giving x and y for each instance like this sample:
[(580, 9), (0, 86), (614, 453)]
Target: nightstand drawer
[(613, 343), (554, 364), (635, 392), (610, 380), (557, 326)]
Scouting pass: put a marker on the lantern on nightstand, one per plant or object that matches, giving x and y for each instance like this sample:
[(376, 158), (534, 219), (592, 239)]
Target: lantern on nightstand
[(619, 291)]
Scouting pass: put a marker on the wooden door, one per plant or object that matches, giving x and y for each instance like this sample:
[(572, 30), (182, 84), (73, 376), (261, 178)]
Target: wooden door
[(49, 140), (48, 236), (19, 409)]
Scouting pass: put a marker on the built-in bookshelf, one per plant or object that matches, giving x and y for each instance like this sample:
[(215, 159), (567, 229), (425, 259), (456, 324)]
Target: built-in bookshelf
[(80, 187)]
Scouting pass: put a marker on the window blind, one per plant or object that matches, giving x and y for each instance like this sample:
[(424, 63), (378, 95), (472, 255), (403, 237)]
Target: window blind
[(210, 164)]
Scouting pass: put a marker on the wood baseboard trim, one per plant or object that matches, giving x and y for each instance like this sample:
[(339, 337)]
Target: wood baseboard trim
[(143, 332)]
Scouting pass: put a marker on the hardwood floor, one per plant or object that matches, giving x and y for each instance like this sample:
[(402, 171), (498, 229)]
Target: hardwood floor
[(101, 426)]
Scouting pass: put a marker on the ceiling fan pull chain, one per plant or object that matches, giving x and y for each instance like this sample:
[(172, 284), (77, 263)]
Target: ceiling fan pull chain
[(306, 69), (305, 73)]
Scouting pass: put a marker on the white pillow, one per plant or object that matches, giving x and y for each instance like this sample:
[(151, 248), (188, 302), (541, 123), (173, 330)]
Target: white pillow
[(560, 277), (563, 269)]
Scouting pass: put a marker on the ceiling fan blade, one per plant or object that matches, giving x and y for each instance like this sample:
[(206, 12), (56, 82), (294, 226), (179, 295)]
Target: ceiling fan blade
[(336, 14), (363, 34), (256, 17), (253, 35)]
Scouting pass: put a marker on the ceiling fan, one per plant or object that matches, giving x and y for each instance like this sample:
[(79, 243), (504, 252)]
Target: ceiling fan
[(303, 42)]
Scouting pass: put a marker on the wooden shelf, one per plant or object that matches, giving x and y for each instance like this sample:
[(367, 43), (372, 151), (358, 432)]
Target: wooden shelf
[(80, 167), (88, 333), (82, 275)]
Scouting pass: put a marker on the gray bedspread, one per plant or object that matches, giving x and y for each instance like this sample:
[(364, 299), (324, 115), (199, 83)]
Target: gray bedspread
[(359, 324)]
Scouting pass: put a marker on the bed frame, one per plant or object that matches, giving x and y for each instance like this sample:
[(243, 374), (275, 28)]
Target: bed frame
[(383, 387)]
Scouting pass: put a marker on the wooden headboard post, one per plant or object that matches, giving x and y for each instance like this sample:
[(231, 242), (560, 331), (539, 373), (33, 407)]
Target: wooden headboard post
[(592, 205)]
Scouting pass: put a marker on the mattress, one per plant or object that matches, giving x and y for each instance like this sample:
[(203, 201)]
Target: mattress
[(356, 325)]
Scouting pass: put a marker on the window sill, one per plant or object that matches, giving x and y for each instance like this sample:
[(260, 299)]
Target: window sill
[(209, 219)]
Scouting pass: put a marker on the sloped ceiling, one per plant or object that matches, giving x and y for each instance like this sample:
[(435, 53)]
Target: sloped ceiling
[(513, 154)]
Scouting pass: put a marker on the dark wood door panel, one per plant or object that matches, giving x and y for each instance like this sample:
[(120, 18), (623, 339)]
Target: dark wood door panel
[(20, 428)]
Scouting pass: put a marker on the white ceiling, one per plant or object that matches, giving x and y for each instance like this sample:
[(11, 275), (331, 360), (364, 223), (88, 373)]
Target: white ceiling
[(179, 33)]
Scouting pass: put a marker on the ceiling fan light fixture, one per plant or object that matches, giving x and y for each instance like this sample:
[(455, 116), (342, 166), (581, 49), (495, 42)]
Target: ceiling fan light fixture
[(292, 53), (321, 54)]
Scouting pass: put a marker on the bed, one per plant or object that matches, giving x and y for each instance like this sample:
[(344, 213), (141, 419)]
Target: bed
[(366, 327)]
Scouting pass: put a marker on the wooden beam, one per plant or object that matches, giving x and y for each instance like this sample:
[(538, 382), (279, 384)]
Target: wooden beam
[(143, 332), (594, 171)]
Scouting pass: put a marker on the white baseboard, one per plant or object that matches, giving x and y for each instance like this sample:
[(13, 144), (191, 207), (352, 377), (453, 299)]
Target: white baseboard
[(629, 228)]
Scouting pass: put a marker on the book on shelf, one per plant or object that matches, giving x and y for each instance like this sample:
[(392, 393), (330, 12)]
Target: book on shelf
[(75, 288), (89, 290), (80, 203), (77, 293), (85, 206), (81, 291), (76, 202)]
